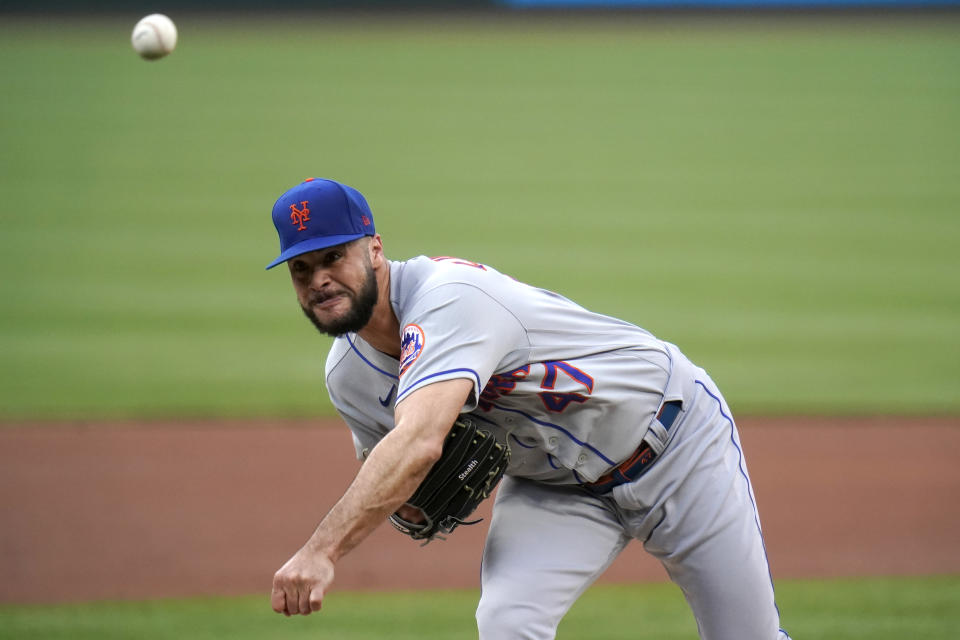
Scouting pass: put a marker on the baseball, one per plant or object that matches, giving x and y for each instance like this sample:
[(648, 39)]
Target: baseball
[(154, 36)]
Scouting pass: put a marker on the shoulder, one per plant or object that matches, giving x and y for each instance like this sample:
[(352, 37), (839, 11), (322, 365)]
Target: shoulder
[(420, 277)]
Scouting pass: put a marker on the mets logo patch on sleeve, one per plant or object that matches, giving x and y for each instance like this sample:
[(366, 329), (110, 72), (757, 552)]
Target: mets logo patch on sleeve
[(411, 346)]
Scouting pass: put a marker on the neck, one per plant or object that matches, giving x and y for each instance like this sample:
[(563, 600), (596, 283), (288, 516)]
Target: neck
[(383, 331)]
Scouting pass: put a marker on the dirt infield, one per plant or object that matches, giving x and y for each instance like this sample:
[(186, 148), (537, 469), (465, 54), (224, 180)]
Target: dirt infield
[(181, 509)]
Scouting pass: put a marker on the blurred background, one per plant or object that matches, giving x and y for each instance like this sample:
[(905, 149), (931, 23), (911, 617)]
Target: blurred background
[(774, 185), (777, 192)]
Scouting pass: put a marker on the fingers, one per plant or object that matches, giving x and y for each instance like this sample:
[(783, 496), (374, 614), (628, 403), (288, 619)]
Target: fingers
[(316, 599), (293, 599), (300, 584), (278, 599), (304, 602)]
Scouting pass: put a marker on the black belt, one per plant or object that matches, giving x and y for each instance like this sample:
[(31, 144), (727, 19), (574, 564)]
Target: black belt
[(634, 466)]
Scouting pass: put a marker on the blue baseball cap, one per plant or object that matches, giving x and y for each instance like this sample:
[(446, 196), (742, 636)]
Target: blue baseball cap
[(319, 213)]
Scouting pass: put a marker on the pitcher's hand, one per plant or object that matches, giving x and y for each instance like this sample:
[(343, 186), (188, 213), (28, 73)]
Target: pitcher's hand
[(300, 584)]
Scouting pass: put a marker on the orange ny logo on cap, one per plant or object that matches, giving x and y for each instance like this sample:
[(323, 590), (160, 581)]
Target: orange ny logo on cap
[(299, 216)]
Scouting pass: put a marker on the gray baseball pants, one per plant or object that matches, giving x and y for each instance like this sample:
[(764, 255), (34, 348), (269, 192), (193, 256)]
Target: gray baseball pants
[(693, 509)]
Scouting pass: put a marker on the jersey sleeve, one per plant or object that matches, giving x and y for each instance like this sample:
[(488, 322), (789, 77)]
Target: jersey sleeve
[(456, 330)]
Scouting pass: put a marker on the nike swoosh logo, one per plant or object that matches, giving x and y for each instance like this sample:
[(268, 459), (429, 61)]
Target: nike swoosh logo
[(389, 399)]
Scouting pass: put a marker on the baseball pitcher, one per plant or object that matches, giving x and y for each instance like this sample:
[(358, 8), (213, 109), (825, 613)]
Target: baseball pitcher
[(454, 378)]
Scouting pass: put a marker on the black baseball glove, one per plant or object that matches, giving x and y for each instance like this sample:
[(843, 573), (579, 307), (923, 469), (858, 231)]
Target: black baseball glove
[(472, 463)]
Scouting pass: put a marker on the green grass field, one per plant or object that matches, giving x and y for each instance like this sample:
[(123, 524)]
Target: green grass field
[(779, 197), (869, 609)]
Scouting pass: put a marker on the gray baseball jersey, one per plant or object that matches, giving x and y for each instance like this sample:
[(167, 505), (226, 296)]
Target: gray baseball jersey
[(574, 393)]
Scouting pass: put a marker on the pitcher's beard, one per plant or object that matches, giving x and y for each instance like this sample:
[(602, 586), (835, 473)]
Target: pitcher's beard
[(357, 317)]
